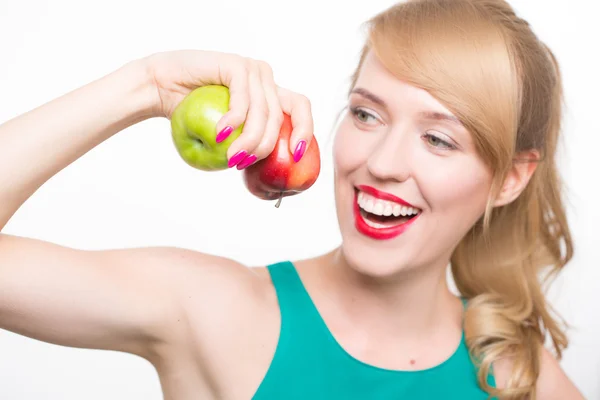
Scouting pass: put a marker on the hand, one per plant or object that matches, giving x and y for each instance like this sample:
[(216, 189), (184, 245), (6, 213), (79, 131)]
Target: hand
[(255, 99)]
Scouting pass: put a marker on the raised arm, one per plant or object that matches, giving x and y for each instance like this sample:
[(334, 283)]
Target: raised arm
[(50, 292), (120, 299)]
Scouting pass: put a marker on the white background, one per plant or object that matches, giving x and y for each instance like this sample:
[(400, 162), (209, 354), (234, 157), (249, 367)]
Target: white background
[(133, 190)]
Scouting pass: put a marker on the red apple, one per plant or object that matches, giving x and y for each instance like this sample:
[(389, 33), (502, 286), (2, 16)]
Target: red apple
[(278, 175)]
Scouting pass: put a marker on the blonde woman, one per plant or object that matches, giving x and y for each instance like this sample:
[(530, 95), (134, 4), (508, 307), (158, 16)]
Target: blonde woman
[(446, 155)]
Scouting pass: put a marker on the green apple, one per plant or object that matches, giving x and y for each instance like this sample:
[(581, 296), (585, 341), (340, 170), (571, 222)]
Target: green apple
[(194, 128)]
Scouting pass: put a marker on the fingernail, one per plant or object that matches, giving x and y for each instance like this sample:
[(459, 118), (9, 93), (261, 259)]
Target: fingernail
[(224, 134), (237, 157), (247, 161), (300, 149)]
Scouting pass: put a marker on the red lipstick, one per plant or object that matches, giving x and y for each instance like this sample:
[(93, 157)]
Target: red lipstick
[(380, 233), (384, 195)]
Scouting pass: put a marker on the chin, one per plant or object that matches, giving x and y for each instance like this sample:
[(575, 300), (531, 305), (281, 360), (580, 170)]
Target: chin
[(372, 262)]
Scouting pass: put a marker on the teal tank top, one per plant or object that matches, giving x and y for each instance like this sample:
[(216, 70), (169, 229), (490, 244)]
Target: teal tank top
[(309, 364)]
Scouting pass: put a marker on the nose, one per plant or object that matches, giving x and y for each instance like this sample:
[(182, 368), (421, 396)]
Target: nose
[(390, 158)]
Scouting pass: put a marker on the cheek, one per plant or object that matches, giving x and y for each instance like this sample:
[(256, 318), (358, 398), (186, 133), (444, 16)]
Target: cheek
[(459, 187), (349, 148)]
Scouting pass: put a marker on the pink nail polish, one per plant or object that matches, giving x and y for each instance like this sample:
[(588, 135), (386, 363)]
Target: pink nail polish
[(300, 149), (224, 134), (246, 162), (236, 158)]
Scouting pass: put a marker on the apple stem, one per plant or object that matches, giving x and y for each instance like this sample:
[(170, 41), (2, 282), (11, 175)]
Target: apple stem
[(279, 200)]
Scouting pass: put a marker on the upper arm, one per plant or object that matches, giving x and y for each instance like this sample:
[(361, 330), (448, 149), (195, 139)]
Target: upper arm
[(126, 300), (552, 384)]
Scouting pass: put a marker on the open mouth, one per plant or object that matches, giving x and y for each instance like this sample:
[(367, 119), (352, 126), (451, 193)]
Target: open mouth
[(384, 214), (382, 218)]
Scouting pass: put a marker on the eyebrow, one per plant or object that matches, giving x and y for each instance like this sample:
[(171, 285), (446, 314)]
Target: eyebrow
[(369, 96), (440, 116), (431, 115)]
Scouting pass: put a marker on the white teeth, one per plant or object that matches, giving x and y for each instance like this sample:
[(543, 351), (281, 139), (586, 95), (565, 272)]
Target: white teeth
[(382, 207), (387, 211)]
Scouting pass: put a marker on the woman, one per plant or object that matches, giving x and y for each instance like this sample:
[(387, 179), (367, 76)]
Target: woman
[(446, 155)]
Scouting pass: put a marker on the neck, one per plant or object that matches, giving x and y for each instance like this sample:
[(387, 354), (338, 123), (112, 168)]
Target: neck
[(411, 303)]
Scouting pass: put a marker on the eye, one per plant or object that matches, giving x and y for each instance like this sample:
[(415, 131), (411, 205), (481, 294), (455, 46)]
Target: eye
[(438, 142), (362, 115)]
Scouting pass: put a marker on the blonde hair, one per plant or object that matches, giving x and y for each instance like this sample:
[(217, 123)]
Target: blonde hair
[(485, 64)]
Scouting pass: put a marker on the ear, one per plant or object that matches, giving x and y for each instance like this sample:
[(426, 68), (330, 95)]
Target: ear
[(517, 179)]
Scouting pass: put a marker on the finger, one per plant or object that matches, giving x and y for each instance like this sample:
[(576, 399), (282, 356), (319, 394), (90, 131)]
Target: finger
[(236, 79), (275, 118), (298, 107), (256, 120)]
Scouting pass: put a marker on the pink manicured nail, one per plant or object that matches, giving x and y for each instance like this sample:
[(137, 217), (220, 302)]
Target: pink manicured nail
[(237, 157), (300, 149), (224, 134), (247, 161)]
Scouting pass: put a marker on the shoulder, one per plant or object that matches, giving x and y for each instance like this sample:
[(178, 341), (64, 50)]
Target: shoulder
[(553, 382), (189, 275), (227, 321), (208, 286), (208, 294)]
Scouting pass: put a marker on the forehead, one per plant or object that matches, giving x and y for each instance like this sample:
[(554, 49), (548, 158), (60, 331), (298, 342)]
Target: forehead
[(396, 93)]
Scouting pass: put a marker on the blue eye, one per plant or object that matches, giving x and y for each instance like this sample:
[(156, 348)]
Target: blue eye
[(362, 115), (437, 142)]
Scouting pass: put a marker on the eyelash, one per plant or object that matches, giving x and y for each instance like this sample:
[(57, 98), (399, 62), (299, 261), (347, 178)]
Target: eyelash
[(356, 110), (427, 136), (445, 144)]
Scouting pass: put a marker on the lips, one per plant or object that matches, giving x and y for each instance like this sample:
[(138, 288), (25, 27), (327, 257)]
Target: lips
[(380, 232), (384, 195)]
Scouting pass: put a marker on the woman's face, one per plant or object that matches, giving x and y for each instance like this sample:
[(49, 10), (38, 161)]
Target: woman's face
[(409, 183)]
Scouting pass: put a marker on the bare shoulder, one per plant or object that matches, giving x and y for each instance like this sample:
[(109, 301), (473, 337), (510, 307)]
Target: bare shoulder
[(213, 289), (553, 382), (205, 295), (226, 327), (231, 324)]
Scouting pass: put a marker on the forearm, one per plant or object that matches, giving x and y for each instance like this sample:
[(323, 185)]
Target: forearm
[(38, 144)]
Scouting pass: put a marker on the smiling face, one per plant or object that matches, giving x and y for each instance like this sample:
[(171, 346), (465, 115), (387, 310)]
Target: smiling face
[(409, 182)]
